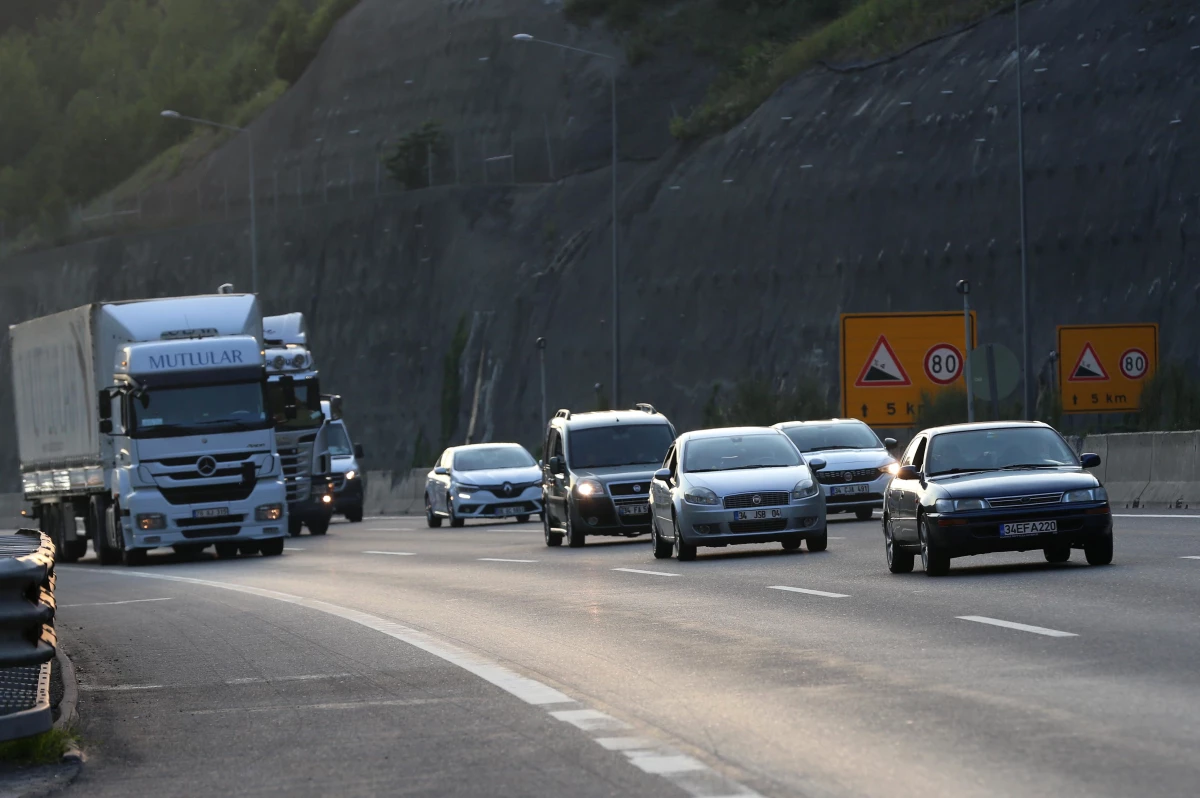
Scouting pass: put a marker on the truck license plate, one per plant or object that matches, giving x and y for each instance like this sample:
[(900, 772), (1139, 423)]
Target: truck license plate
[(1028, 528), (756, 515), (211, 512)]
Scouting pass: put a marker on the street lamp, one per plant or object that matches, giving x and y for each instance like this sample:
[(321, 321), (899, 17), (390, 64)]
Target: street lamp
[(168, 114), (616, 284), (1026, 374), (964, 287)]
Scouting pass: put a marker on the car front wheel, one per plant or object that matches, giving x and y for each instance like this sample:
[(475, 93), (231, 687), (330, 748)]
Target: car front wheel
[(934, 561), (552, 538), (899, 562), (684, 551), (432, 521), (1099, 551), (662, 548)]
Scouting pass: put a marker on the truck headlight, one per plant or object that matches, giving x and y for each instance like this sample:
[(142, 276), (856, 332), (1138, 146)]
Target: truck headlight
[(589, 487), (1086, 495), (702, 496), (148, 521), (351, 474), (805, 489), (959, 505), (268, 512)]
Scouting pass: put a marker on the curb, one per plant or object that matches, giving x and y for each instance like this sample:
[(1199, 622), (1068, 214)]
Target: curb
[(68, 708)]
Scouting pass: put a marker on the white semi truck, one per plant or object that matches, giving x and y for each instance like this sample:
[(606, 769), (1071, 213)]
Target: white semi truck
[(148, 420), (301, 438)]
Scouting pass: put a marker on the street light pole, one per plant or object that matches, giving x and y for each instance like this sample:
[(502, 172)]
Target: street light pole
[(1027, 377), (616, 276), (964, 288), (541, 345), (253, 200)]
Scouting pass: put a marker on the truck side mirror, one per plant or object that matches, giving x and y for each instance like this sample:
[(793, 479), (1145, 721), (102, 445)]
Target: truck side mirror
[(358, 451), (288, 386), (105, 406), (289, 411), (106, 426)]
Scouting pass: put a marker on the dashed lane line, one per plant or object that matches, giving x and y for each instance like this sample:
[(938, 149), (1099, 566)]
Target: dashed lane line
[(501, 559), (649, 573), (118, 688), (1020, 627), (687, 773), (307, 677), (112, 603), (1150, 515), (393, 553), (1190, 557), (810, 592)]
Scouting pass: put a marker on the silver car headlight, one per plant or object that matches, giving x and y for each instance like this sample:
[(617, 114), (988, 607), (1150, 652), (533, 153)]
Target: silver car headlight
[(1086, 495), (805, 489), (959, 505), (889, 468), (702, 496), (589, 487)]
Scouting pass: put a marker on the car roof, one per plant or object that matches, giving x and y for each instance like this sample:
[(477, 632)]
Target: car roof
[(818, 421), (607, 418), (727, 432), (475, 446), (980, 425)]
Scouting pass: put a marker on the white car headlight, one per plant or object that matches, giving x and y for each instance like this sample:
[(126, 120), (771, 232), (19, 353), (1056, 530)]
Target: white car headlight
[(1085, 495), (351, 474), (889, 468), (959, 505), (589, 487), (702, 496), (805, 489)]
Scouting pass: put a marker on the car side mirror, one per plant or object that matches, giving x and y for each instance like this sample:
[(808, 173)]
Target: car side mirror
[(889, 443), (557, 466), (816, 463), (106, 426), (541, 464), (1089, 460), (663, 475), (358, 451), (441, 471), (908, 472)]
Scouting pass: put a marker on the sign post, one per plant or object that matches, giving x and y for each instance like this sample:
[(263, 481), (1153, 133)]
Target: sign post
[(1103, 367)]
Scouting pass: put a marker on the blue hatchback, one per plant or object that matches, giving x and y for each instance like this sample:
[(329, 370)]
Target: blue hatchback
[(981, 488)]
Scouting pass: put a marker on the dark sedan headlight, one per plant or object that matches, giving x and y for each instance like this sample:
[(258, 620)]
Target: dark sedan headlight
[(351, 474), (960, 505), (1085, 495)]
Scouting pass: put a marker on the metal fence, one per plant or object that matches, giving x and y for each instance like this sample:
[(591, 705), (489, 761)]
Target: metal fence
[(27, 639)]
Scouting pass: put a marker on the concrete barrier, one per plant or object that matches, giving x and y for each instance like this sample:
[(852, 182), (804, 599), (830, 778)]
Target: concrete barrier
[(395, 492), (1174, 470), (1128, 460)]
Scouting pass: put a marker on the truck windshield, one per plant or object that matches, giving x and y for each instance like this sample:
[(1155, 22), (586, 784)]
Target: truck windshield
[(620, 445), (197, 409), (338, 440), (308, 405)]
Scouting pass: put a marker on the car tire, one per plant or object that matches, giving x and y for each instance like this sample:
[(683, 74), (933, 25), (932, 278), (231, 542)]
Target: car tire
[(553, 539), (355, 515), (272, 547), (899, 562), (1099, 551), (934, 561), (455, 521), (226, 549), (523, 519), (865, 514), (684, 551), (295, 526), (320, 526), (575, 537), (1057, 554), (818, 541), (792, 543), (432, 521), (663, 549)]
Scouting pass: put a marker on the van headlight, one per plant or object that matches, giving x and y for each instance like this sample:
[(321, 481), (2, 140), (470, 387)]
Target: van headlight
[(589, 487), (702, 496), (351, 474), (805, 489), (959, 505), (1086, 495), (268, 512)]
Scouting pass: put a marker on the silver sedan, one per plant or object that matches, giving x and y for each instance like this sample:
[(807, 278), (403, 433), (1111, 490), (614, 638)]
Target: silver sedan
[(736, 485)]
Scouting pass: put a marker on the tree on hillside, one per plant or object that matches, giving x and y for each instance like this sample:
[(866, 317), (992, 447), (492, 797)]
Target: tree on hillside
[(409, 164)]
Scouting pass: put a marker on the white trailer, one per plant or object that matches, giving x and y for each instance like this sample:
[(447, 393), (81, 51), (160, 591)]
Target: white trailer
[(148, 420)]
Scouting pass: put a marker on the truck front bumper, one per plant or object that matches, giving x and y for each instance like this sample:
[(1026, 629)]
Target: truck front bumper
[(201, 524)]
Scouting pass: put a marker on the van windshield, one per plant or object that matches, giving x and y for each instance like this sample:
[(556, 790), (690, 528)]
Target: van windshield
[(619, 445), (197, 409), (338, 440)]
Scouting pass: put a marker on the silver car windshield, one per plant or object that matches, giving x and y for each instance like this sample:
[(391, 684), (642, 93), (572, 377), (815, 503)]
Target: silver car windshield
[(738, 452), (492, 457), (997, 449), (823, 437)]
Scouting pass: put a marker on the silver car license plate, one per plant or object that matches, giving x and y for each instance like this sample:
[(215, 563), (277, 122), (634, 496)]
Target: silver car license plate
[(756, 515), (211, 512), (843, 490), (510, 510), (1028, 528), (633, 509)]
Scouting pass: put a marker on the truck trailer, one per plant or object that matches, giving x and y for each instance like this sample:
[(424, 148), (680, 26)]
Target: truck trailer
[(148, 420)]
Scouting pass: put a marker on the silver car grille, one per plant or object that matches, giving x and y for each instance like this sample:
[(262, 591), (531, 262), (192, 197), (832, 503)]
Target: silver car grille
[(836, 477), (772, 498), (1033, 500)]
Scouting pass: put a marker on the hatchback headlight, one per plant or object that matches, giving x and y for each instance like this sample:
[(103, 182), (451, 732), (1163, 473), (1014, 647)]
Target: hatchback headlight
[(1087, 495), (461, 488), (702, 496), (805, 489), (268, 512), (589, 487), (889, 468), (148, 521), (959, 505)]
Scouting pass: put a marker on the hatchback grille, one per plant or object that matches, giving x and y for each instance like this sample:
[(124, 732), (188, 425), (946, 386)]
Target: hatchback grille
[(772, 525), (765, 499), (629, 488), (834, 477), (339, 481), (1026, 501)]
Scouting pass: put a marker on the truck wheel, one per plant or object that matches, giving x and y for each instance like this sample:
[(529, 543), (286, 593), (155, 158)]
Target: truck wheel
[(226, 549), (249, 548), (295, 526), (355, 515), (107, 530), (272, 547), (134, 557), (320, 526)]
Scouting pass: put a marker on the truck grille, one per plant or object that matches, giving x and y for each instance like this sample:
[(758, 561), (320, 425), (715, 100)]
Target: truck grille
[(200, 494), (765, 499), (211, 532), (295, 453), (835, 477)]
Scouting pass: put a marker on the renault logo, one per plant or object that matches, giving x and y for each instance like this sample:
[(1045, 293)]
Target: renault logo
[(757, 499), (508, 489), (207, 466)]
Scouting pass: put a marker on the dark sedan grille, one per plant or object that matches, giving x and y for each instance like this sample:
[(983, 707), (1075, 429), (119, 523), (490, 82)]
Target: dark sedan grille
[(629, 488), (772, 525), (834, 477), (765, 499), (1026, 501)]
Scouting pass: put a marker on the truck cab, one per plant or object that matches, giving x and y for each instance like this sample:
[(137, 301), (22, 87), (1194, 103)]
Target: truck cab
[(349, 480), (301, 430)]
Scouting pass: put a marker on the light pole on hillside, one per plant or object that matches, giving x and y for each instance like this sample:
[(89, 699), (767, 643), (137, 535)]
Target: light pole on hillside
[(616, 281), (1027, 376), (253, 203)]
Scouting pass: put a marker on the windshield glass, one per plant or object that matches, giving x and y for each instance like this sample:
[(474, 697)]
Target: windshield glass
[(493, 457), (738, 452), (197, 409), (816, 438), (308, 405), (620, 445), (339, 441), (993, 449)]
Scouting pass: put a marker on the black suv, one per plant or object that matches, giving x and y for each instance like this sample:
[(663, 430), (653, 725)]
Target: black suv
[(597, 472)]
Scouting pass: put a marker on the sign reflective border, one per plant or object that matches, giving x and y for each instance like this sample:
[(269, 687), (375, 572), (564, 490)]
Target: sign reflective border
[(889, 359), (1102, 368)]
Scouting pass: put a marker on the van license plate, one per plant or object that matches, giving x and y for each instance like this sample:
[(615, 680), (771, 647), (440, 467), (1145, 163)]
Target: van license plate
[(1028, 528), (633, 509), (211, 512)]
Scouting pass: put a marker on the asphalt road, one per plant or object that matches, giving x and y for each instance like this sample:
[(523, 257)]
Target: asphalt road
[(391, 658)]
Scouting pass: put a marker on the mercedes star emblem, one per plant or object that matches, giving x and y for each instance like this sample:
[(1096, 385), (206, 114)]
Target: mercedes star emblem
[(757, 499), (207, 466)]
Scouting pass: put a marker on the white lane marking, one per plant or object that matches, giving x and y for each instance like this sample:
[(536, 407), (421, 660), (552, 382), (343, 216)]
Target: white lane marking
[(292, 548), (383, 702), (113, 603), (1148, 515), (833, 538), (500, 559), (393, 553), (304, 678), (624, 743), (589, 720), (705, 783), (1021, 627), (116, 688), (824, 593), (384, 529), (1190, 557), (661, 763), (651, 573)]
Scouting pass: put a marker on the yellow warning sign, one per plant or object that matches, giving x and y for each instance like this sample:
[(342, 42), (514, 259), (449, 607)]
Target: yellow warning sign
[(889, 359), (1103, 367)]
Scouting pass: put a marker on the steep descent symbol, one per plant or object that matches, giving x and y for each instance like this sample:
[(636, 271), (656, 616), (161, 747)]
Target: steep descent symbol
[(1088, 368), (882, 368)]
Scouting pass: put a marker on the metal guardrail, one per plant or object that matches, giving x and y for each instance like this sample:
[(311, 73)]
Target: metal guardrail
[(27, 640)]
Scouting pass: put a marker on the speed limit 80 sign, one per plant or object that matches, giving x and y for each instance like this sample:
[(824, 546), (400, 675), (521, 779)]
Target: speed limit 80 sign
[(1102, 368), (943, 364)]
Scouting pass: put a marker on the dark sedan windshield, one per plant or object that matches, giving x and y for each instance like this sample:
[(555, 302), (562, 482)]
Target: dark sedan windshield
[(492, 457), (820, 437), (738, 452), (620, 445), (995, 449)]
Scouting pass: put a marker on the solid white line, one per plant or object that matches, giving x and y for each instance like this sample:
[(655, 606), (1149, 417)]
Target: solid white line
[(1149, 515), (385, 702), (651, 573), (1021, 627), (1190, 557), (824, 593), (393, 553), (113, 603), (102, 688), (384, 529), (499, 559)]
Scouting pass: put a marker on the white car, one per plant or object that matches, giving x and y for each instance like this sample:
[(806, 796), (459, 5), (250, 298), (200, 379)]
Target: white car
[(484, 480), (857, 464)]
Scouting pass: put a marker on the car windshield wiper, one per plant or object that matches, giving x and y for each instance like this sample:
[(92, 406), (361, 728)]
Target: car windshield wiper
[(748, 467), (1016, 466), (958, 471), (831, 448)]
